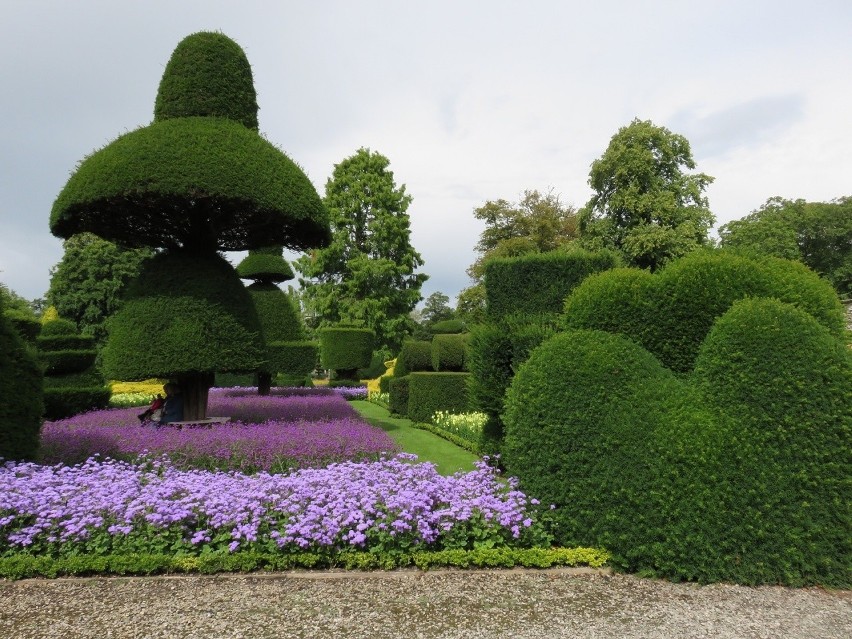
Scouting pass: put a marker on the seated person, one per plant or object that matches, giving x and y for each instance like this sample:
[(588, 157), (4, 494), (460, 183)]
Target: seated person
[(154, 411), (173, 406)]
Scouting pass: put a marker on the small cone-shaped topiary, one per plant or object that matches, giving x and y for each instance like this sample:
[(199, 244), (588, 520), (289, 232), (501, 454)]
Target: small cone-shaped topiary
[(287, 352), (20, 394), (72, 383), (198, 180)]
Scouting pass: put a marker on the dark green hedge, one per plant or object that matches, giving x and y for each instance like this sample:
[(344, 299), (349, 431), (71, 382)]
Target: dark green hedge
[(65, 342), (27, 325), (398, 399), (295, 359), (346, 348), (431, 392), (58, 327), (152, 187), (670, 313), (445, 327), (62, 362), (207, 75), (265, 266), (449, 352), (278, 313), (66, 399), (21, 394), (414, 356), (784, 382), (184, 313), (539, 283)]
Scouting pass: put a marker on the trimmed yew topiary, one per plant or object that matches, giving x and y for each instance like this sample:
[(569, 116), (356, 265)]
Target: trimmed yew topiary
[(346, 349), (197, 180), (414, 356), (72, 384), (21, 384), (449, 352), (432, 392)]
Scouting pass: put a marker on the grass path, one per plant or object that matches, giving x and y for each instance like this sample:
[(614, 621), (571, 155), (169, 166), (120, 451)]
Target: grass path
[(448, 457)]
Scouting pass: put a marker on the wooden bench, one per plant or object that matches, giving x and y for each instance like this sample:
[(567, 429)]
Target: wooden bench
[(198, 423)]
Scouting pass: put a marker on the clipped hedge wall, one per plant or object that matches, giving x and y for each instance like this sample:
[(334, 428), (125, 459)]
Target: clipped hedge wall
[(21, 398), (446, 327), (431, 392), (449, 352), (62, 362), (540, 282), (346, 348), (398, 399), (415, 356)]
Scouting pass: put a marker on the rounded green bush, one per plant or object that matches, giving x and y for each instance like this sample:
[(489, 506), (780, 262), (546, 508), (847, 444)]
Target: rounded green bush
[(581, 421), (785, 383), (172, 182), (207, 75), (670, 313), (185, 313), (27, 324), (446, 327), (58, 327), (449, 352), (67, 361), (293, 359), (616, 301), (21, 398), (414, 356), (279, 317)]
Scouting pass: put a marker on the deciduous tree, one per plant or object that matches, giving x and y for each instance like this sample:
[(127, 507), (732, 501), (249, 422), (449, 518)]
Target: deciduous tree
[(645, 205)]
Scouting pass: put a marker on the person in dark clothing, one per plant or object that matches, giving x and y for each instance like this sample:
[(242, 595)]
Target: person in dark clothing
[(173, 406)]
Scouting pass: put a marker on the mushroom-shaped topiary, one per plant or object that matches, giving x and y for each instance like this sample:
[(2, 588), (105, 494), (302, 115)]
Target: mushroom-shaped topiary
[(198, 180), (283, 332)]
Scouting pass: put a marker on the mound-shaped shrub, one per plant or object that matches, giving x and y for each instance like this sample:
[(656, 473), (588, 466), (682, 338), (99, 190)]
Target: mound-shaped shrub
[(580, 432), (27, 324), (785, 384), (447, 327), (21, 385), (670, 313), (449, 352), (431, 392), (415, 356)]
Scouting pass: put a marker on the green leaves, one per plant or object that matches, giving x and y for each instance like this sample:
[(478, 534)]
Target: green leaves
[(644, 205)]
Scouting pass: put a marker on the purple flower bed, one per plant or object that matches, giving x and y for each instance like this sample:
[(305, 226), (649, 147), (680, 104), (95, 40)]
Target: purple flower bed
[(273, 433), (392, 504)]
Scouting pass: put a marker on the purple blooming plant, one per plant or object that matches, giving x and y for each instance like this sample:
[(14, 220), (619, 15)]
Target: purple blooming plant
[(110, 506), (273, 433)]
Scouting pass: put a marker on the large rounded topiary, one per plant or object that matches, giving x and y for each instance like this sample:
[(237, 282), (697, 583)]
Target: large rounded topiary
[(581, 422), (785, 384), (671, 312), (21, 404), (346, 349), (199, 179)]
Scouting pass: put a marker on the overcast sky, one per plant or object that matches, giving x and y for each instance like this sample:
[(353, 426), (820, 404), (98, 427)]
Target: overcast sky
[(470, 100)]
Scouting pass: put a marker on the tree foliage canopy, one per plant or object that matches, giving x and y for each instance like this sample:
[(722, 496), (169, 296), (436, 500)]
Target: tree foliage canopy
[(86, 285), (645, 205), (816, 233), (367, 274)]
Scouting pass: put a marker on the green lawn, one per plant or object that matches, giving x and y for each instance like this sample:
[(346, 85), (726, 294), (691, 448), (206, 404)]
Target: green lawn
[(448, 457)]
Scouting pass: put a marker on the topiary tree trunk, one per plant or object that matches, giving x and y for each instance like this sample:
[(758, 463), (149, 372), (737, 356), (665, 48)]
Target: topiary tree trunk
[(195, 389)]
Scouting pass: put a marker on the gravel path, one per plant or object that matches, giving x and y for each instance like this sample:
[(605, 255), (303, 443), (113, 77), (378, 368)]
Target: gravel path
[(511, 603)]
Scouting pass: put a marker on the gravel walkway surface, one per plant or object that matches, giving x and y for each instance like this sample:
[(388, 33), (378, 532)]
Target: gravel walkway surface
[(446, 604)]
